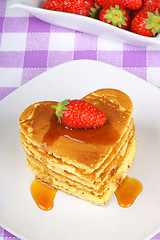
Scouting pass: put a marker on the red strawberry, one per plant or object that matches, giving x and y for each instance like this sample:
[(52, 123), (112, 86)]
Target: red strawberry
[(127, 4), (146, 23), (115, 15), (81, 7), (147, 5), (79, 114)]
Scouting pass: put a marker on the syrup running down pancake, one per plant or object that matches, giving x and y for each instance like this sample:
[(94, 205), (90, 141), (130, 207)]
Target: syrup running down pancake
[(87, 163)]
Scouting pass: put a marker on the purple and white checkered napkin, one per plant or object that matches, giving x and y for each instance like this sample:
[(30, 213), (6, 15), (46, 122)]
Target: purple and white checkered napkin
[(29, 47)]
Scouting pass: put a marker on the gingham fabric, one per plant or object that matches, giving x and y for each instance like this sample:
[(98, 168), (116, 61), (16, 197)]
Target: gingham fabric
[(29, 47)]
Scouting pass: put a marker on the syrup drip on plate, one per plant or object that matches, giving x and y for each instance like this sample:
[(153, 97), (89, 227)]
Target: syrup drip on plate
[(43, 195), (128, 191)]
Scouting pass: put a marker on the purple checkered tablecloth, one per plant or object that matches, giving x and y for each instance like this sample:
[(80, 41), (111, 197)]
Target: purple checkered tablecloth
[(29, 47)]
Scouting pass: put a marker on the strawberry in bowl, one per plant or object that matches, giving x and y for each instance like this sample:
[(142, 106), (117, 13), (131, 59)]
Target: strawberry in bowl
[(127, 4), (146, 23), (80, 7), (136, 16), (115, 15)]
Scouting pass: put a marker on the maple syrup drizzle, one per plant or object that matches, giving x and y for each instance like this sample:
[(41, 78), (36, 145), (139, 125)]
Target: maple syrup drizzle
[(57, 130), (128, 191), (43, 195)]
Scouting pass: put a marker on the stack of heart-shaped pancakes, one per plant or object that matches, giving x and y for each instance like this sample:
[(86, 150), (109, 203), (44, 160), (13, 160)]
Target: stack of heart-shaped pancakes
[(87, 163)]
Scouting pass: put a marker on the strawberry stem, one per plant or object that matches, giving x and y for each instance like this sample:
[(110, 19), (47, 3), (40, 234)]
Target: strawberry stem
[(59, 108)]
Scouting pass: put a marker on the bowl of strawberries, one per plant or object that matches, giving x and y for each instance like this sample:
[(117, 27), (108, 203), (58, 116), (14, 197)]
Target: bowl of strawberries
[(135, 22)]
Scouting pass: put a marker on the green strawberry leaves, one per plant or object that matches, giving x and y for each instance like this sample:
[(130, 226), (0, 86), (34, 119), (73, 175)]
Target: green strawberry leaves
[(94, 11), (60, 107), (115, 16), (153, 22)]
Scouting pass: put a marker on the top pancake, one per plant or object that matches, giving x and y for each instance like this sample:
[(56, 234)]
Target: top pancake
[(84, 148)]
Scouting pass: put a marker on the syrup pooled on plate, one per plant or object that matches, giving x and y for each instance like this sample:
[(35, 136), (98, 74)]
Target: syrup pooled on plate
[(43, 195), (128, 191)]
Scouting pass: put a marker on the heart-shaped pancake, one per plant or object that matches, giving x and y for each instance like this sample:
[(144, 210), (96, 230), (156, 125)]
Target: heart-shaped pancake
[(88, 163)]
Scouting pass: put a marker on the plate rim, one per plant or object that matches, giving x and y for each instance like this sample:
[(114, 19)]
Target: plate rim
[(58, 66)]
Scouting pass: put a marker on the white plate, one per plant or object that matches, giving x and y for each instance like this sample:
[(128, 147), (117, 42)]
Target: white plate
[(84, 24), (72, 218)]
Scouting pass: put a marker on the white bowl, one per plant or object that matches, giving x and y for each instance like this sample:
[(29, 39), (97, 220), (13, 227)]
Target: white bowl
[(84, 24)]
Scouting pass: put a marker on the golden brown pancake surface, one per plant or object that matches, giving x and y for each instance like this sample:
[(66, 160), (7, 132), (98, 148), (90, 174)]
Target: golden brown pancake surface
[(86, 147)]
